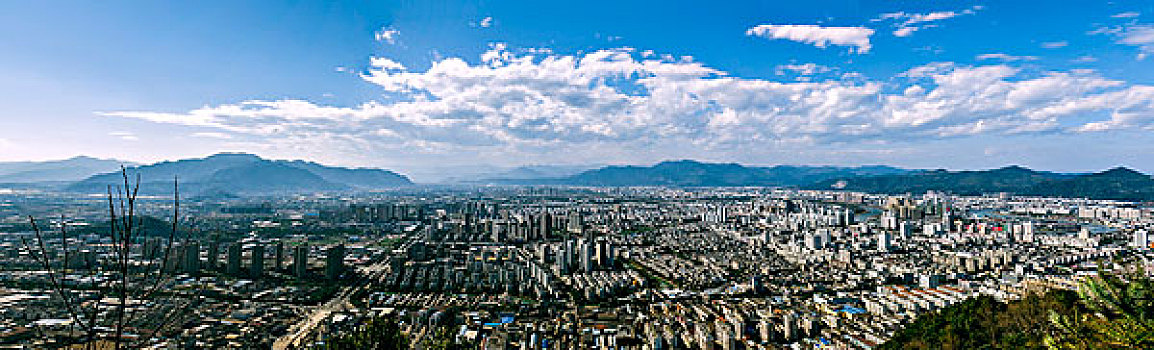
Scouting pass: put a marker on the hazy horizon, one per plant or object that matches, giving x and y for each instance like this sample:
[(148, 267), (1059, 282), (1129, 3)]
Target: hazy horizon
[(457, 173)]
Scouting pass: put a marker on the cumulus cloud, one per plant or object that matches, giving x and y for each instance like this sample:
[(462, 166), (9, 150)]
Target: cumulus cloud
[(619, 104), (486, 22), (856, 37), (908, 23), (387, 35)]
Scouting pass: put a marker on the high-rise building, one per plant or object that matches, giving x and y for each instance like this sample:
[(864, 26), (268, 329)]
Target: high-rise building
[(889, 220), (1141, 239), (213, 259), (545, 226), (278, 256), (256, 263), (604, 256), (575, 224), (789, 326), (884, 241), (562, 259), (301, 260), (192, 257), (814, 241), (334, 261), (587, 255), (234, 253)]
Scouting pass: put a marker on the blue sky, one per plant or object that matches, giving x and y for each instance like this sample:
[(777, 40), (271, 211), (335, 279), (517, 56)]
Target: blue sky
[(423, 86)]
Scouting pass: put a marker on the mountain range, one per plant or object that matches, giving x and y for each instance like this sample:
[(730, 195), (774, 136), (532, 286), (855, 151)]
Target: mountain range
[(1118, 183), (66, 170), (233, 174), (245, 174), (689, 173)]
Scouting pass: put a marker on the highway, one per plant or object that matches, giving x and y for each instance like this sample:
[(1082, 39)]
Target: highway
[(304, 328)]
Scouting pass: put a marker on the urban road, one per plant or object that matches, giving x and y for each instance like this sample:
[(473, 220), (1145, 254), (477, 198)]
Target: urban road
[(303, 329)]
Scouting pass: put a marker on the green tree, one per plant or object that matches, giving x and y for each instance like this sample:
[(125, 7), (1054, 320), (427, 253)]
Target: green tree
[(985, 323), (1121, 313), (378, 333), (443, 339)]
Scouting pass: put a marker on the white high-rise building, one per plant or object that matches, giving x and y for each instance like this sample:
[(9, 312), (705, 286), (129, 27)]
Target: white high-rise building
[(814, 241), (1141, 239), (884, 241), (1028, 231)]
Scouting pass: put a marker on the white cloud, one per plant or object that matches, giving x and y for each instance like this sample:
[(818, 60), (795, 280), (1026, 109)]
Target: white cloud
[(124, 135), (1129, 14), (617, 105), (1085, 59), (905, 31), (858, 37), (1137, 35), (385, 64), (486, 22), (1055, 44), (908, 23), (1005, 57), (212, 135), (802, 69), (388, 35)]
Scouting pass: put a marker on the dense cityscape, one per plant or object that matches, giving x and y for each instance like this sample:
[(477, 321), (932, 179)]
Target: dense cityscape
[(599, 174), (566, 267)]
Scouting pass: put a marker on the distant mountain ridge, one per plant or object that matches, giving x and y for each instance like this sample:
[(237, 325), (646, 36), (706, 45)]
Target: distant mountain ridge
[(533, 172), (1118, 183), (65, 170), (690, 173), (228, 174), (240, 173)]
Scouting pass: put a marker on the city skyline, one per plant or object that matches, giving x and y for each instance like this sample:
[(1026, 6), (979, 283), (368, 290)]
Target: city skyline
[(423, 87)]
